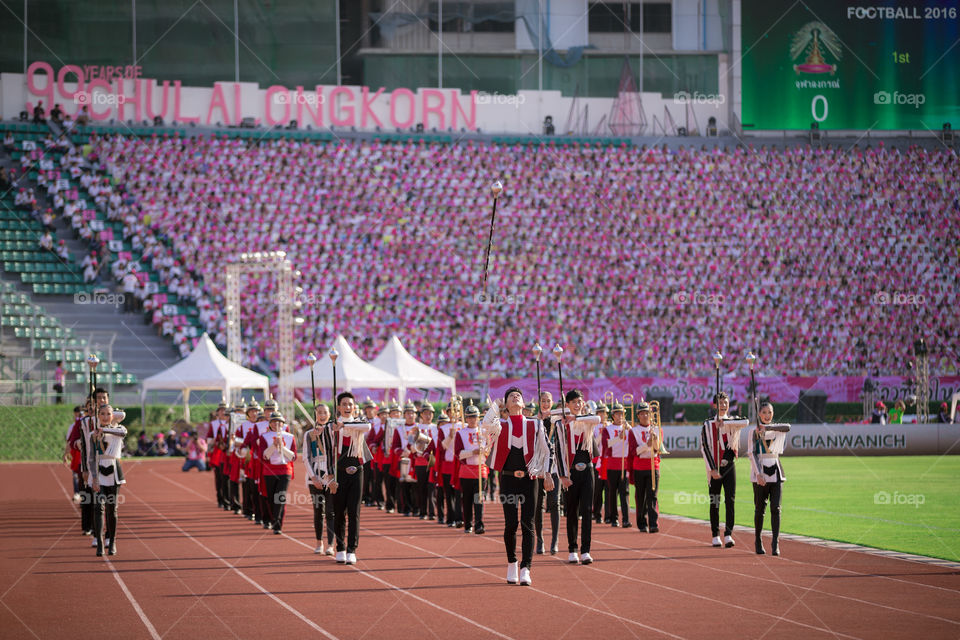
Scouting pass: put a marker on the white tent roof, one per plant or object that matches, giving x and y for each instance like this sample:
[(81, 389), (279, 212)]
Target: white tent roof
[(206, 369), (353, 372), (398, 361)]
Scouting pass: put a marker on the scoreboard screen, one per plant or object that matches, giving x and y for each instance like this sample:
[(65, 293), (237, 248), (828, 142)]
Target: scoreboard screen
[(850, 65)]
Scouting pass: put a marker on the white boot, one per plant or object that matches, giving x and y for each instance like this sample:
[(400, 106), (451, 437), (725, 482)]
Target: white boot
[(341, 557), (727, 541), (716, 541), (586, 559), (573, 558), (351, 558), (512, 572), (525, 577)]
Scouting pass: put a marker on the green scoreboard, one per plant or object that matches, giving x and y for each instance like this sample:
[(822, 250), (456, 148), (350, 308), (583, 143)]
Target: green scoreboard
[(850, 65)]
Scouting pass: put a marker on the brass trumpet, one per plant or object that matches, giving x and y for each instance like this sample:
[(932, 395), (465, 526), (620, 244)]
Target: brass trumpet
[(655, 424)]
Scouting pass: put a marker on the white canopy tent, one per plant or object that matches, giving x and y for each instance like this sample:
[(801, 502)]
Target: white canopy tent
[(353, 372), (205, 369), (395, 359)]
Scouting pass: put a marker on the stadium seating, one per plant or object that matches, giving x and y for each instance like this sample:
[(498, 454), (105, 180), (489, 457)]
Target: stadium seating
[(635, 259)]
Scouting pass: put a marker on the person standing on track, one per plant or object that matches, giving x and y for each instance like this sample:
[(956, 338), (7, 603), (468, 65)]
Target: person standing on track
[(316, 444), (766, 444), (104, 463), (719, 443), (580, 448), (645, 466), (345, 469), (521, 455), (278, 449)]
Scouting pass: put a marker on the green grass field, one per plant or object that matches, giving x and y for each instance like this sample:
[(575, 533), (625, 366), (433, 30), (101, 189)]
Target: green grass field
[(903, 503)]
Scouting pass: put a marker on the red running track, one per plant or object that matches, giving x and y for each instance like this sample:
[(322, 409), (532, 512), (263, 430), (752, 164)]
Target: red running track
[(186, 569)]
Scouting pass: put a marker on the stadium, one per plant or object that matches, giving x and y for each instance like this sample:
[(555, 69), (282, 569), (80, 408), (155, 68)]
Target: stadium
[(345, 318)]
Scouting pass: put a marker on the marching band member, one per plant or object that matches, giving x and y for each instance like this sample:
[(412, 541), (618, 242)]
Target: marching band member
[(642, 442), (89, 450), (420, 458), (256, 465), (250, 495), (375, 442), (469, 469), (369, 409), (448, 498), (601, 510), (529, 410), (104, 463), (391, 461), (766, 445), (521, 455), (233, 462), (720, 442), (346, 476), (316, 443), (401, 456), (552, 497), (614, 446), (220, 422), (577, 473), (82, 490), (277, 449)]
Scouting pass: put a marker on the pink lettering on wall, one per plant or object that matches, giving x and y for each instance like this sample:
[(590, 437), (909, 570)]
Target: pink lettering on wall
[(411, 109), (345, 106), (436, 109), (119, 92)]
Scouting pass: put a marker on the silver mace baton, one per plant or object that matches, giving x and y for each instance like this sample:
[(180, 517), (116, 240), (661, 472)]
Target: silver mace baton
[(558, 354), (497, 189), (717, 358), (537, 350), (312, 360), (93, 361), (336, 446), (751, 359)]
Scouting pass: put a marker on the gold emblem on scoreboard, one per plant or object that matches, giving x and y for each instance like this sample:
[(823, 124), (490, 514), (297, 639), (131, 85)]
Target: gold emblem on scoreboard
[(816, 40)]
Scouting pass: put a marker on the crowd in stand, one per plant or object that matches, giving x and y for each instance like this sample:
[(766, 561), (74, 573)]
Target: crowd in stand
[(826, 261)]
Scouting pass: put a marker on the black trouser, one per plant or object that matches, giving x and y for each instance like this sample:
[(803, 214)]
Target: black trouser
[(322, 512), (249, 497), (105, 512), (579, 507), (423, 489), (234, 495), (346, 502), (368, 482), (617, 487), (472, 504), (376, 477), (218, 485), (405, 496), (728, 482), (277, 498), (645, 498), (262, 500), (600, 509), (86, 509), (390, 488), (454, 509), (519, 499), (771, 491), (552, 500)]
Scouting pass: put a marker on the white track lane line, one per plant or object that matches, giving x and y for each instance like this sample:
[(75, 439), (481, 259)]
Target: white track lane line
[(116, 575), (368, 575)]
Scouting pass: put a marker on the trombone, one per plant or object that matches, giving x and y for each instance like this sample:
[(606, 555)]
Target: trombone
[(657, 430)]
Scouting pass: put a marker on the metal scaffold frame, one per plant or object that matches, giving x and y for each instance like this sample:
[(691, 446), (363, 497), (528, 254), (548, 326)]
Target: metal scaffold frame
[(276, 263)]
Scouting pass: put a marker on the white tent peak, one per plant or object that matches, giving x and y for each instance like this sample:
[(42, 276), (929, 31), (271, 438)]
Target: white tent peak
[(352, 371), (395, 359), (206, 369)]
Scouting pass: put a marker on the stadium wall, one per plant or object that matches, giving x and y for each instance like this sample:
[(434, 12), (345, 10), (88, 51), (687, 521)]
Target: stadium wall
[(119, 94), (837, 439)]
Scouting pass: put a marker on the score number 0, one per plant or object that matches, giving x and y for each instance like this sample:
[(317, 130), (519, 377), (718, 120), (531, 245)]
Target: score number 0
[(824, 107)]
